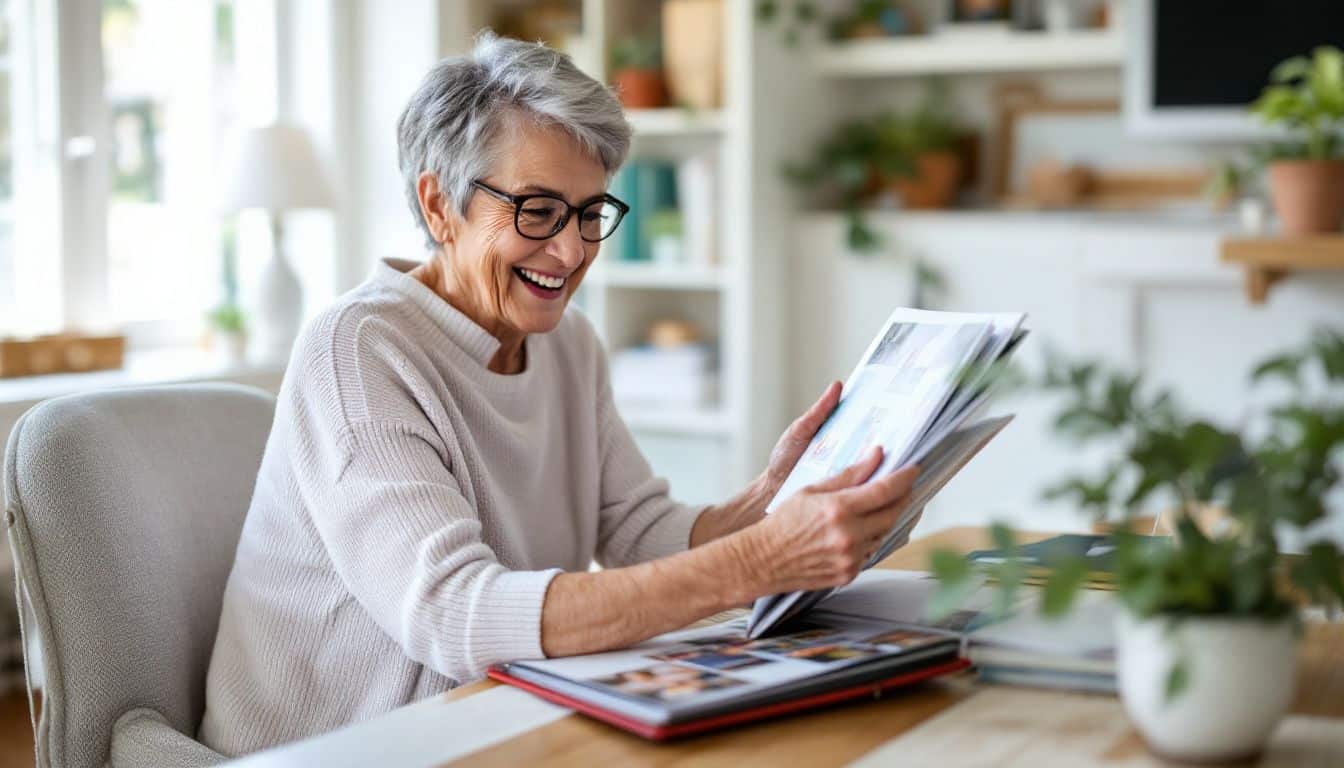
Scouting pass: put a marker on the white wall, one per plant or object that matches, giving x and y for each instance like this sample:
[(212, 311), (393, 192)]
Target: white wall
[(1142, 292), (392, 46)]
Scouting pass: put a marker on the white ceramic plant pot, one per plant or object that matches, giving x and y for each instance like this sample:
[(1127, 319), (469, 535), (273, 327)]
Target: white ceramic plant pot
[(1240, 675)]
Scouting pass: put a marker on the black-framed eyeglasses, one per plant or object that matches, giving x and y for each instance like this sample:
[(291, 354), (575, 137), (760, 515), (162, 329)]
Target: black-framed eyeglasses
[(542, 216)]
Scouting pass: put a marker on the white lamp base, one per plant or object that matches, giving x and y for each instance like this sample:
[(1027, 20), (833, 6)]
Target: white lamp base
[(279, 307)]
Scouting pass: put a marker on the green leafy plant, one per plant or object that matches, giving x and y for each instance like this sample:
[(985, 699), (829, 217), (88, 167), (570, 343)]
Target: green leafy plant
[(1306, 95), (636, 52), (1274, 473), (1228, 181), (227, 318), (850, 165)]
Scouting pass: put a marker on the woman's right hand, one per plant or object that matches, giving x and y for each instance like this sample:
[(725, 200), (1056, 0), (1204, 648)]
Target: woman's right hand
[(822, 535)]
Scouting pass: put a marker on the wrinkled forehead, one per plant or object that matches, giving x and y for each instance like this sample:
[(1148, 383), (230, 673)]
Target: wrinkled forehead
[(544, 157)]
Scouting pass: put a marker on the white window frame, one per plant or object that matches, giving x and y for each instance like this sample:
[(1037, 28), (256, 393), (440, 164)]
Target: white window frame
[(65, 141)]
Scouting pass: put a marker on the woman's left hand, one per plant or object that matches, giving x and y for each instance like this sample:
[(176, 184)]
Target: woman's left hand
[(749, 506)]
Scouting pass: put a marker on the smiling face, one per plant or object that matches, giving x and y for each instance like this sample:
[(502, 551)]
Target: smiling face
[(508, 284)]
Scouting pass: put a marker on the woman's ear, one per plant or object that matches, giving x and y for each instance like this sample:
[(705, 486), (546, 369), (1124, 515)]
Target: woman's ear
[(435, 207)]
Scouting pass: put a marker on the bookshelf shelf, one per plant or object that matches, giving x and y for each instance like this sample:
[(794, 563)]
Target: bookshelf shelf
[(1267, 260), (672, 121), (958, 53), (658, 276)]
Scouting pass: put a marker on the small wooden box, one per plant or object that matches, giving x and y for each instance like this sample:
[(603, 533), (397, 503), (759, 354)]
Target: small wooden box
[(61, 353)]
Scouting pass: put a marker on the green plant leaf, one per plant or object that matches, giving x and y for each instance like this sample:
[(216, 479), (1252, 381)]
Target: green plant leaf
[(957, 582), (1066, 579), (1178, 679)]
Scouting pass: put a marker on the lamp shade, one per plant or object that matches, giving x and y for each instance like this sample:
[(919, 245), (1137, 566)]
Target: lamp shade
[(276, 169)]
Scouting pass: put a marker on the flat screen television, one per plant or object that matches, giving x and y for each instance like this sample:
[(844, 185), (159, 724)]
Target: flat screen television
[(1194, 66)]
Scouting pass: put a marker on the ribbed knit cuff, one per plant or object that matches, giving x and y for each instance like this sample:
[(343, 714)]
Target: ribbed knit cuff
[(506, 617)]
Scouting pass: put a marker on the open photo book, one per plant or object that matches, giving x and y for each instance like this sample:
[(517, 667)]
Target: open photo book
[(710, 678), (913, 392)]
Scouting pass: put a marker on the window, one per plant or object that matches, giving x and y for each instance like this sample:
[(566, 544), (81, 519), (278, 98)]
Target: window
[(157, 100)]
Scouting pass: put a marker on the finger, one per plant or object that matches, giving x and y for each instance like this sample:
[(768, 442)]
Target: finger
[(805, 427), (854, 474), (880, 492)]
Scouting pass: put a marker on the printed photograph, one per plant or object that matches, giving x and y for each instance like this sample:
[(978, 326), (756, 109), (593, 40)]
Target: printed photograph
[(801, 639), (667, 682), (836, 652), (711, 656), (892, 348), (905, 639)]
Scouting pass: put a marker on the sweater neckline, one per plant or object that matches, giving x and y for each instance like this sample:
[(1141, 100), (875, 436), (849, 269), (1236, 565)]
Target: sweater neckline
[(476, 342)]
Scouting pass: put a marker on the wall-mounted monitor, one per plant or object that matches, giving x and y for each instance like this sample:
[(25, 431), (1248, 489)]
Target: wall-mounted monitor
[(1193, 67)]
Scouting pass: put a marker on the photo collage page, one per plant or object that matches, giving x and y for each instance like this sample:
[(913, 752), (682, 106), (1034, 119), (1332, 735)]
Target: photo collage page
[(724, 660)]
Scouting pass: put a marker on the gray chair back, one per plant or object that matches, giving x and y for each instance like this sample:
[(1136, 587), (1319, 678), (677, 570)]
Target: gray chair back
[(124, 510)]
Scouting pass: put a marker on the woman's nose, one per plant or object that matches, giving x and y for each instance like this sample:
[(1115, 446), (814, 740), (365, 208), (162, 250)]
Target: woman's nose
[(567, 246)]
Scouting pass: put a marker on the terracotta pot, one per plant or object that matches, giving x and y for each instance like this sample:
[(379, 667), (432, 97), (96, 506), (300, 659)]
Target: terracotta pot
[(693, 52), (1308, 195), (935, 182), (640, 88)]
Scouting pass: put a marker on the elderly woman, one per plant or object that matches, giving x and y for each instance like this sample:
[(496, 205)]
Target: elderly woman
[(446, 460)]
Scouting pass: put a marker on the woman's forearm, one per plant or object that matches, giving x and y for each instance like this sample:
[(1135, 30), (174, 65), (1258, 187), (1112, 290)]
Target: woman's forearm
[(603, 610)]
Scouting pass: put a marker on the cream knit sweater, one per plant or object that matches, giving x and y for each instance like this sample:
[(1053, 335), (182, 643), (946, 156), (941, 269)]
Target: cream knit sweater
[(411, 509)]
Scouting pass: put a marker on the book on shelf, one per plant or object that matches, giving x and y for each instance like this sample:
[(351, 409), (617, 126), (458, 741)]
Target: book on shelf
[(913, 393)]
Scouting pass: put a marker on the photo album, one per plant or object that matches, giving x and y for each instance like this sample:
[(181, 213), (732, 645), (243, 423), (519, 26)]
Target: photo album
[(708, 678), (922, 379), (913, 393)]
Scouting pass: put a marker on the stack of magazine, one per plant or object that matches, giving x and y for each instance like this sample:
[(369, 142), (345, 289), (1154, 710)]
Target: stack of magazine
[(913, 393)]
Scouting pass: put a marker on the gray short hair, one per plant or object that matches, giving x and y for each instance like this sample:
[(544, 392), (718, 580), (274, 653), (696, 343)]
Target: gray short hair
[(463, 105)]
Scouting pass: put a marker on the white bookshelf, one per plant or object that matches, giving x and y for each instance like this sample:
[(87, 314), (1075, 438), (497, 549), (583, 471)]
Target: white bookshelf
[(970, 52), (730, 295)]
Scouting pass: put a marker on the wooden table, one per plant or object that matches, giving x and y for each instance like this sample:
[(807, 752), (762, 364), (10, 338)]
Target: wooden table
[(840, 735)]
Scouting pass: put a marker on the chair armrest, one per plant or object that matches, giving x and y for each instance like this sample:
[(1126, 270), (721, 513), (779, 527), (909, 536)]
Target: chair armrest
[(143, 737)]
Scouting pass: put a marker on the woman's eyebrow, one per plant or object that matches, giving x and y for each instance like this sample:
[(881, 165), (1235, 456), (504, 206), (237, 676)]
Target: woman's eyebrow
[(540, 190)]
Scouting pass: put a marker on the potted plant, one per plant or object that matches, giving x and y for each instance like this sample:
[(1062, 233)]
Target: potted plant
[(929, 171), (844, 170), (1208, 614), (228, 334), (914, 156), (1306, 173), (637, 72)]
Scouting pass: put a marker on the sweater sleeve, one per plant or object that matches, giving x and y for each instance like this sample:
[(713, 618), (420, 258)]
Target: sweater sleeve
[(638, 520), (408, 546)]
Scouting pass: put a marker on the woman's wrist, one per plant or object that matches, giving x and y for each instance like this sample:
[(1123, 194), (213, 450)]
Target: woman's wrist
[(752, 563), (737, 513)]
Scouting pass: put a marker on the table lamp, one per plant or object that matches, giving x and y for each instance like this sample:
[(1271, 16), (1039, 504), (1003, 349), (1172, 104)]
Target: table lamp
[(277, 170)]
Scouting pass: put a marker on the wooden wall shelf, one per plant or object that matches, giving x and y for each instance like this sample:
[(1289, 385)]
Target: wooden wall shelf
[(1267, 260)]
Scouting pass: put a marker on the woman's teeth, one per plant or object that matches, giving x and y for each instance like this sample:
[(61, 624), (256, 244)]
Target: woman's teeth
[(542, 280)]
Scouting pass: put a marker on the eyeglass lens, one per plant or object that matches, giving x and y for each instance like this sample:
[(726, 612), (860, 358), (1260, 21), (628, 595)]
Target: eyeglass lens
[(540, 218)]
